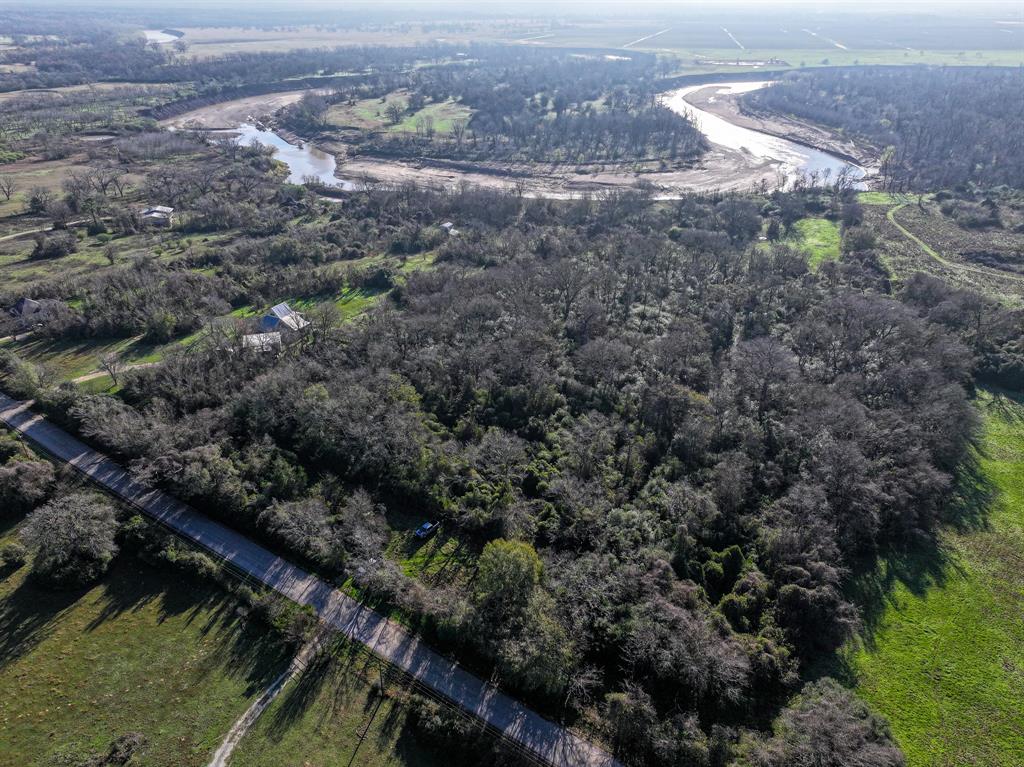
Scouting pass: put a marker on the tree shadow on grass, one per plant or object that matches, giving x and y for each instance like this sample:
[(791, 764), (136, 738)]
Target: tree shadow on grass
[(971, 497), (133, 586), (245, 651), (414, 754), (242, 650), (393, 724), (300, 696), (30, 612), (28, 615), (345, 667), (919, 566)]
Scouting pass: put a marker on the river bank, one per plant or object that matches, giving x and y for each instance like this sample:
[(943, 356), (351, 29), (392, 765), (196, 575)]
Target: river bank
[(228, 115), (730, 108), (745, 157)]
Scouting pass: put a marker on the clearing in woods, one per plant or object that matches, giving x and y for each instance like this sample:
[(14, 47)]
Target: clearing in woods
[(819, 237)]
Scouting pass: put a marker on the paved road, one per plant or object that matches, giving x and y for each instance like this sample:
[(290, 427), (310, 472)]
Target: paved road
[(547, 740)]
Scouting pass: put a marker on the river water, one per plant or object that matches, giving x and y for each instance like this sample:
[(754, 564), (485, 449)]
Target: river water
[(156, 36), (302, 161), (792, 159), (789, 158)]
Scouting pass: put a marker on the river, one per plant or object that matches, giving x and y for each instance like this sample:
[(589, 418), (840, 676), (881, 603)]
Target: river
[(791, 158), (303, 160), (156, 36), (740, 158)]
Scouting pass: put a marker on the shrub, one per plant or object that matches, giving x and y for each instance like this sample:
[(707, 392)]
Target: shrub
[(294, 624), (23, 485), (121, 751), (54, 245), (73, 537), (829, 727), (12, 556)]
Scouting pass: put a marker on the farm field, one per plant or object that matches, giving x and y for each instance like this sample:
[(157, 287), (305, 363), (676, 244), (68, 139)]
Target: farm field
[(736, 44), (205, 42), (944, 661), (143, 651), (722, 42)]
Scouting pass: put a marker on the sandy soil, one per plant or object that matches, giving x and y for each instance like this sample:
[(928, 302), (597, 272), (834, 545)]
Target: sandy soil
[(230, 114), (718, 169)]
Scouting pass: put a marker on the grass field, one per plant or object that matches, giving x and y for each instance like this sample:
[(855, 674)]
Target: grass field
[(332, 717), (444, 114), (945, 660), (68, 359), (881, 198), (819, 237), (145, 651), (368, 114)]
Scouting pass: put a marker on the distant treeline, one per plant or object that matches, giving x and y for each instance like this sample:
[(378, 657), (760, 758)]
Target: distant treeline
[(106, 57), (936, 126)]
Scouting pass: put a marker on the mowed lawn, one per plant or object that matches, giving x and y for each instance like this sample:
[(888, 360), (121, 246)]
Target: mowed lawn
[(333, 717), (945, 663), (145, 651)]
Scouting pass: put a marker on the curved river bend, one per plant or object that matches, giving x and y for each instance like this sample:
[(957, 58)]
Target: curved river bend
[(303, 160), (760, 153), (793, 159)]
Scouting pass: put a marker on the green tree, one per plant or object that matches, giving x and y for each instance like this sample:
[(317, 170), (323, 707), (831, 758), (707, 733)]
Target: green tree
[(508, 573)]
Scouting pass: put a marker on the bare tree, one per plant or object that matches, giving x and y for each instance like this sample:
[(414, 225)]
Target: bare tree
[(105, 176), (113, 364), (458, 131), (8, 186), (425, 126)]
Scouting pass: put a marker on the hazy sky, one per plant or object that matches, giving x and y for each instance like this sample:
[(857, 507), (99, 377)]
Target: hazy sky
[(511, 7)]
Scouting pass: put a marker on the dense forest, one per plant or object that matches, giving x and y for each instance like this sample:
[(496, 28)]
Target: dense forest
[(934, 126), (538, 105), (107, 56), (663, 446), (527, 105), (670, 450)]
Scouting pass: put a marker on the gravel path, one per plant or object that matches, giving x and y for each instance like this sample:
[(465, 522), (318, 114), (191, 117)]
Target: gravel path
[(238, 731), (549, 741)]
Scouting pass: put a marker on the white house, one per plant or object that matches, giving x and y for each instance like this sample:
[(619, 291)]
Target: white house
[(158, 215)]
